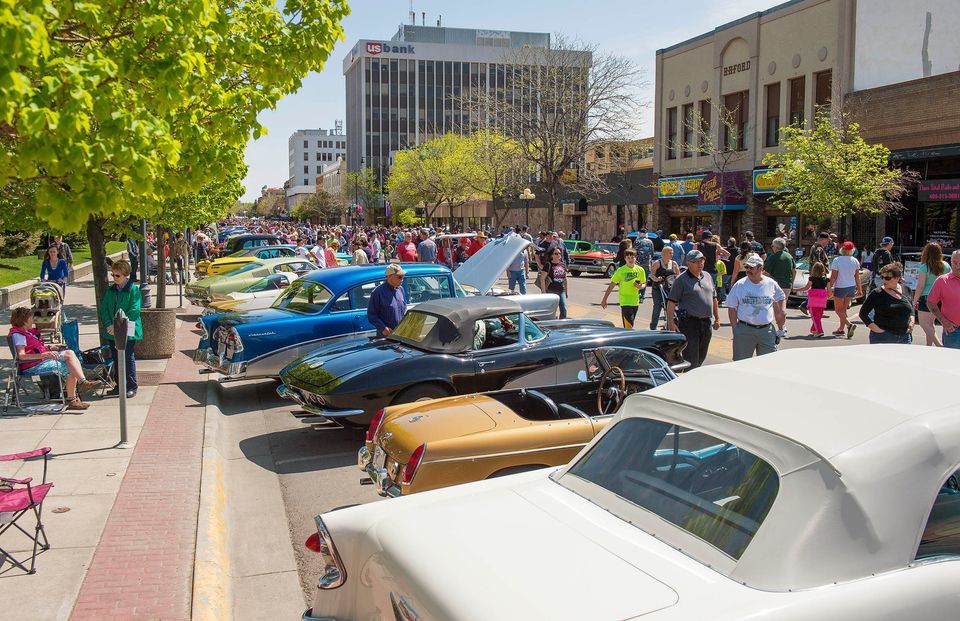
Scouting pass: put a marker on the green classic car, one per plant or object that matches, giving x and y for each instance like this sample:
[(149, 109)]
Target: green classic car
[(201, 292), (588, 257)]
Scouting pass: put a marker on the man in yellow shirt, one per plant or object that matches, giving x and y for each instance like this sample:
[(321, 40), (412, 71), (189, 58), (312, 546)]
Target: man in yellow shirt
[(632, 279)]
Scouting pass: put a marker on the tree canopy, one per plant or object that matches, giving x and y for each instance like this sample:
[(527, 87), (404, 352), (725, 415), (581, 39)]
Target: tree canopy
[(831, 171), (437, 172), (318, 205), (115, 107)]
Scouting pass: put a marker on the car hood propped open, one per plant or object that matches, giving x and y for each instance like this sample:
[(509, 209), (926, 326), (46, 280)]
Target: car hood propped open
[(482, 270)]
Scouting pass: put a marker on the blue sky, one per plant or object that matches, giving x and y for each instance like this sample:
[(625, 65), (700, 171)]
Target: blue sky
[(636, 29)]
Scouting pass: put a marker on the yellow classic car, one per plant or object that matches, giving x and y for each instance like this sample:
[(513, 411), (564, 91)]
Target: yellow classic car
[(430, 444), (229, 263)]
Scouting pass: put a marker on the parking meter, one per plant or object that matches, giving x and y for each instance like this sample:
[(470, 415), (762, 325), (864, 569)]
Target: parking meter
[(120, 328)]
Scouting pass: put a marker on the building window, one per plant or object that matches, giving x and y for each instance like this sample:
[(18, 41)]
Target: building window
[(773, 115), (304, 144), (318, 144), (306, 169), (689, 127), (319, 169), (797, 87), (305, 182), (704, 137), (306, 156), (672, 134), (735, 123), (824, 91)]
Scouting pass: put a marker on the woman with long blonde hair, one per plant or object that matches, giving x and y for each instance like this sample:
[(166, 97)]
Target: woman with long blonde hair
[(932, 266)]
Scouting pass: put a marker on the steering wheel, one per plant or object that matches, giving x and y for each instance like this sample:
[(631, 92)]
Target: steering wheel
[(547, 401), (615, 393)]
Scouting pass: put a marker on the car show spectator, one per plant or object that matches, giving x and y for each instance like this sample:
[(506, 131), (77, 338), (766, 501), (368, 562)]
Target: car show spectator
[(887, 311), (55, 269), (756, 246), (881, 258), (816, 299), (755, 308), (687, 245), (387, 302), (944, 302), (427, 248), (33, 357), (517, 272), (663, 273), (691, 303), (845, 286), (677, 248), (479, 241), (556, 278), (123, 295), (630, 280), (645, 249), (932, 267), (360, 256), (407, 250), (780, 266)]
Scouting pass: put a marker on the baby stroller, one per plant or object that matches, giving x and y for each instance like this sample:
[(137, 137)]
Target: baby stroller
[(46, 300), (97, 363)]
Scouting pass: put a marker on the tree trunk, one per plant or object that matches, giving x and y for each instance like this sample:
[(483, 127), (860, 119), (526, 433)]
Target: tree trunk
[(551, 219), (161, 270), (98, 256)]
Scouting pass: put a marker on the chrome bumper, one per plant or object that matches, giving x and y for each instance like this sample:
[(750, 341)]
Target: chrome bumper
[(381, 479), (207, 359), (596, 269), (680, 366), (309, 403)]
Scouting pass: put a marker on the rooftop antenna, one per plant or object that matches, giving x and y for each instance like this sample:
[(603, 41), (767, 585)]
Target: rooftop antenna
[(439, 19), (423, 17), (413, 15)]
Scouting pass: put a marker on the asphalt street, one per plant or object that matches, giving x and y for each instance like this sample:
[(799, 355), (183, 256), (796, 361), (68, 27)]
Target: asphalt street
[(317, 470)]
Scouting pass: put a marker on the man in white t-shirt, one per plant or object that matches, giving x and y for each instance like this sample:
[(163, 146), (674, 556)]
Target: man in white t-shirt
[(754, 306), (319, 254)]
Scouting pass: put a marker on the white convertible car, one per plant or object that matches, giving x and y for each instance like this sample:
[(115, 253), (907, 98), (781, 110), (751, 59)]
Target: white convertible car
[(799, 485)]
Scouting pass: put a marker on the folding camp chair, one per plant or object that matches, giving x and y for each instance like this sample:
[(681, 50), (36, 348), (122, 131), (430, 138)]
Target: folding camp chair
[(19, 497), (97, 363), (37, 394)]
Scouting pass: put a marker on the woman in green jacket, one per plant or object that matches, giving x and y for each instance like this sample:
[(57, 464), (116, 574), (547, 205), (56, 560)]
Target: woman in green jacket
[(123, 295)]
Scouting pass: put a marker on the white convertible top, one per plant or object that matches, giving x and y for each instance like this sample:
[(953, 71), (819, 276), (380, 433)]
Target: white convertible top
[(828, 399), (862, 437)]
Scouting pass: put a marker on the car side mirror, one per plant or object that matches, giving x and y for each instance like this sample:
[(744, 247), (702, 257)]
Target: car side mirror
[(582, 376)]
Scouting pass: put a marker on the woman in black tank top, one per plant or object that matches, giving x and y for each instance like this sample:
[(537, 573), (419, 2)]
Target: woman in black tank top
[(663, 272)]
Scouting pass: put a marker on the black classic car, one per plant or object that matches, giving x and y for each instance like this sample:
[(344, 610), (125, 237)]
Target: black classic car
[(449, 347)]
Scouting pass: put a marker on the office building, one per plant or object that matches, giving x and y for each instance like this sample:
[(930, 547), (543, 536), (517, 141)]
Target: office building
[(407, 90), (309, 150)]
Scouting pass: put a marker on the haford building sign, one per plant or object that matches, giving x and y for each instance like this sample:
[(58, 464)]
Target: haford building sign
[(768, 181), (679, 187)]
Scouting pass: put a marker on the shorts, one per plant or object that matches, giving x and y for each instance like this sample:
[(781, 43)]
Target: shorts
[(628, 314), (922, 304), (58, 365), (845, 292)]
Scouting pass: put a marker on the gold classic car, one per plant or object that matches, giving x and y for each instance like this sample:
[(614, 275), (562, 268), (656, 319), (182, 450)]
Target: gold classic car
[(426, 445)]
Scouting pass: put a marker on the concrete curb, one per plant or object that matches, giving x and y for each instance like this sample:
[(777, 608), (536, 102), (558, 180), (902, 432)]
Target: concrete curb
[(20, 292), (211, 570)]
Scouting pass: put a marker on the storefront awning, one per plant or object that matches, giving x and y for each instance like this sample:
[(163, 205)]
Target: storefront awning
[(721, 207)]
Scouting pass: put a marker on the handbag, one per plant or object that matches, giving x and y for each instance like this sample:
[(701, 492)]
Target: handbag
[(817, 298)]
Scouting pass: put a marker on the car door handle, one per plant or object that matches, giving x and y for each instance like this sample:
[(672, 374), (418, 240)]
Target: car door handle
[(483, 364)]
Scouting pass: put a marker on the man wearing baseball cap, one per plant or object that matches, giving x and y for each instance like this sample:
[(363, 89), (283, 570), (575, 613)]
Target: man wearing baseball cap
[(883, 256), (754, 304), (691, 303), (387, 303)]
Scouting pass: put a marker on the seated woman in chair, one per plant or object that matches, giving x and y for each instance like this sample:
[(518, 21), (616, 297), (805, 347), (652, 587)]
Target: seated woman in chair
[(35, 358)]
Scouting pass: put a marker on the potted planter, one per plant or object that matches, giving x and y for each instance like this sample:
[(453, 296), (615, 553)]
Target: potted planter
[(159, 330)]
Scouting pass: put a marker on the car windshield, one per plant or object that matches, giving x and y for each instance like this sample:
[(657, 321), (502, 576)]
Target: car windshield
[(708, 487), (803, 264), (249, 267), (264, 284), (415, 326), (304, 296)]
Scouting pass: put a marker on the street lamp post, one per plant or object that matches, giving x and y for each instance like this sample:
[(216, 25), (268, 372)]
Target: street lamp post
[(527, 197)]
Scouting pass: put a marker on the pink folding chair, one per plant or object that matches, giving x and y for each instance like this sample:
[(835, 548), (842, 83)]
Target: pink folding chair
[(19, 497)]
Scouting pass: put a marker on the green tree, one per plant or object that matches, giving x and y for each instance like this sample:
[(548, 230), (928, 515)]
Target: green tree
[(318, 205), (831, 171), (438, 172), (499, 169), (408, 217), (110, 109), (361, 187)]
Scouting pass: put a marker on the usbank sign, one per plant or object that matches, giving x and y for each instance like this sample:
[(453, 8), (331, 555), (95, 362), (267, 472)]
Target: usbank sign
[(375, 47)]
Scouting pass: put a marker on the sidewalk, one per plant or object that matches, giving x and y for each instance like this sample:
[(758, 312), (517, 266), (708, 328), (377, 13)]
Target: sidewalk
[(121, 522)]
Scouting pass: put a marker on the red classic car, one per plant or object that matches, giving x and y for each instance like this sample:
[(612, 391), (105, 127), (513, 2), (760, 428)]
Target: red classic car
[(592, 258)]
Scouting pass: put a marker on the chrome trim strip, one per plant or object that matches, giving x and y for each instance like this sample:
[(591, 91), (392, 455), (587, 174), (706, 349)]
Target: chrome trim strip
[(308, 616), (506, 454)]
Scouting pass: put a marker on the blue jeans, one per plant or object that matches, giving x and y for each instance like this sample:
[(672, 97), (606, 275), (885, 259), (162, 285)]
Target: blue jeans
[(563, 305), (891, 337), (658, 305), (131, 363), (952, 339), (516, 278)]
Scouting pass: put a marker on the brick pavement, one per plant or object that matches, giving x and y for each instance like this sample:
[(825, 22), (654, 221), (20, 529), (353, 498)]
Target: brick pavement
[(143, 566)]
